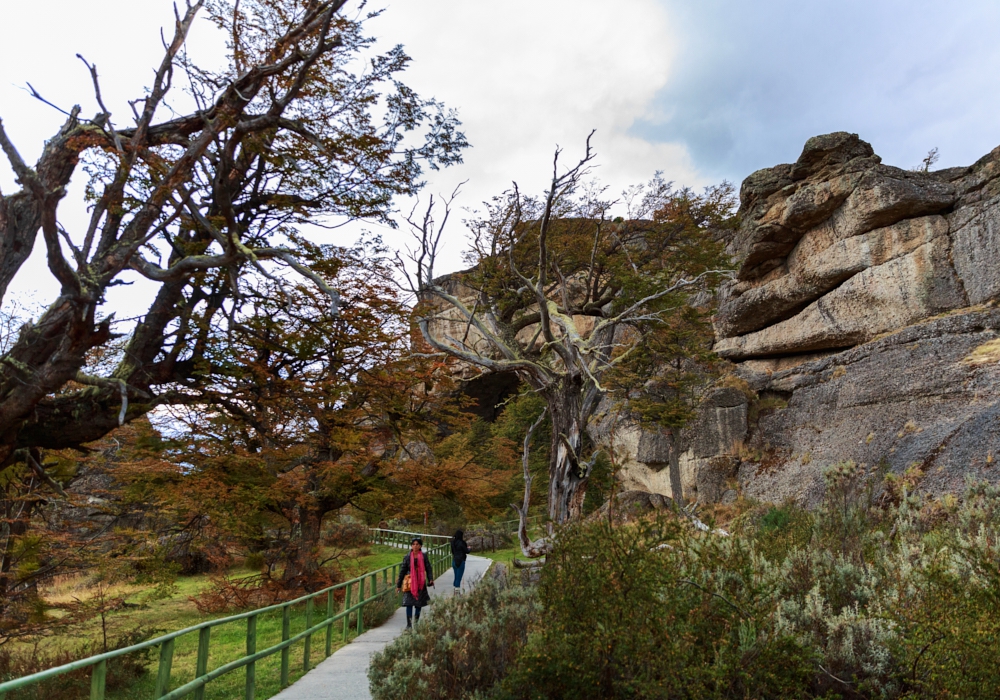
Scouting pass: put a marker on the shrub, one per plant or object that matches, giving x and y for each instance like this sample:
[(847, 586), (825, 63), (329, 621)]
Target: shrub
[(378, 611), (634, 612), (462, 649), (894, 597)]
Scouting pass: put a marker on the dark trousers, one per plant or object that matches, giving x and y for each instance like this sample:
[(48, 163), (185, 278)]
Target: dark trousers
[(459, 572)]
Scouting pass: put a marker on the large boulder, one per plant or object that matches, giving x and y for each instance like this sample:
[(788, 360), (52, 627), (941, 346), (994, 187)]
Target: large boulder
[(861, 319), (838, 248)]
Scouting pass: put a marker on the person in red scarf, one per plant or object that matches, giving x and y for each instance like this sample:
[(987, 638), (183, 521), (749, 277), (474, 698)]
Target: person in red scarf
[(416, 565)]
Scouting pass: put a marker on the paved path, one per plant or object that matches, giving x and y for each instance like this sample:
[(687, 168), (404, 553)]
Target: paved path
[(344, 676)]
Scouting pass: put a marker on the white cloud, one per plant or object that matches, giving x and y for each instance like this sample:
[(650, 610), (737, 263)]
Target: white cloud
[(527, 76)]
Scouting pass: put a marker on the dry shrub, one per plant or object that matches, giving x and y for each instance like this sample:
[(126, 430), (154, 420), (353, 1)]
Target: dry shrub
[(236, 593), (346, 535)]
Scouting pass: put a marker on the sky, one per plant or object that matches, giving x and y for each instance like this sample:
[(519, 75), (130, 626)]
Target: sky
[(703, 91)]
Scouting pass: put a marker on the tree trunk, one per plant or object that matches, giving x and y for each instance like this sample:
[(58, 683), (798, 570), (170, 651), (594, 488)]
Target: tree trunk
[(567, 477), (302, 556)]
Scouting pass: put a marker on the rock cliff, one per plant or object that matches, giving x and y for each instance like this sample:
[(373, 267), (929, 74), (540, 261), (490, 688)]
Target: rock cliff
[(861, 321), (860, 326)]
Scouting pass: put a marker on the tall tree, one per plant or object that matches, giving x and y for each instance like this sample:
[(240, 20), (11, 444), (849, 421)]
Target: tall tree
[(298, 127), (309, 410), (562, 296)]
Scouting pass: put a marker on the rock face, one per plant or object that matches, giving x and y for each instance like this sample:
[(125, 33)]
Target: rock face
[(861, 327), (862, 320), (838, 248), (927, 397)]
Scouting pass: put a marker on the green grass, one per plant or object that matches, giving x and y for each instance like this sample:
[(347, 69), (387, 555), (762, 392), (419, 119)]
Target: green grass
[(228, 641)]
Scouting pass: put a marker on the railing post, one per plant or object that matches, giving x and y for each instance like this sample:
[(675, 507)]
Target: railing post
[(201, 665), (286, 623), (329, 627), (308, 640), (347, 606), (98, 677), (251, 685), (166, 661), (361, 605)]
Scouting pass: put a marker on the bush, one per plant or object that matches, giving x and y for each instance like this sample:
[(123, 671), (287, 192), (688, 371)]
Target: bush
[(229, 593), (460, 650), (378, 611), (635, 612), (878, 593)]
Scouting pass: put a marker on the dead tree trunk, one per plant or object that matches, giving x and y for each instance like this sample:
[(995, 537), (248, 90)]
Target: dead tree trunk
[(530, 549)]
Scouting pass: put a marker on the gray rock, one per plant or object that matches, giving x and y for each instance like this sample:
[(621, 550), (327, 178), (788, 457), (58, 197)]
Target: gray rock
[(911, 399), (838, 248), (976, 251), (878, 299)]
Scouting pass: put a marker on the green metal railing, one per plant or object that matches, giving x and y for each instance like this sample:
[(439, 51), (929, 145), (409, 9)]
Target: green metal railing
[(440, 556), (401, 538)]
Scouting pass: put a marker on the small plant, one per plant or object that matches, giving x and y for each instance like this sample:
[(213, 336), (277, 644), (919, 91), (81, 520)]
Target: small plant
[(775, 518), (465, 648), (765, 406)]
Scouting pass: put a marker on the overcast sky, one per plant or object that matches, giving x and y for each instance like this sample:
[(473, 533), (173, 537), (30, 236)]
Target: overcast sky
[(704, 91)]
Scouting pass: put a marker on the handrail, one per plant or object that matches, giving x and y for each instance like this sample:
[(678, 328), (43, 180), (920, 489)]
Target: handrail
[(439, 554), (410, 534)]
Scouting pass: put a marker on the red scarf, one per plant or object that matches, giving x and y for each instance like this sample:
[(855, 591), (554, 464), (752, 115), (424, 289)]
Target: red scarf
[(418, 577)]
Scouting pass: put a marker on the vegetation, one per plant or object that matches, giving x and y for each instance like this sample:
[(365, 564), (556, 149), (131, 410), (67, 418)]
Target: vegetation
[(894, 596), (140, 618), (465, 647)]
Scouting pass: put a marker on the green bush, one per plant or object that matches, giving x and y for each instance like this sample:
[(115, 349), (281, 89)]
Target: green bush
[(378, 611), (878, 593), (635, 612), (463, 647)]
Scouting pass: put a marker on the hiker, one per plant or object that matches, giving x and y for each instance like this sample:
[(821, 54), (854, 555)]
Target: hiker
[(459, 552), (415, 575)]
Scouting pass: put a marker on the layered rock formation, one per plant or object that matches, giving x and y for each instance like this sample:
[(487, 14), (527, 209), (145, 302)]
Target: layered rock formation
[(861, 327), (838, 248), (861, 317)]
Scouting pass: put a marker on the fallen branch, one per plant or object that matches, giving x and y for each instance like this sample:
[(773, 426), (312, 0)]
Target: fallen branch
[(534, 564)]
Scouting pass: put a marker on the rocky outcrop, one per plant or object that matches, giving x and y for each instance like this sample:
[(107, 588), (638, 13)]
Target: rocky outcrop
[(706, 448), (838, 248), (926, 397), (862, 320)]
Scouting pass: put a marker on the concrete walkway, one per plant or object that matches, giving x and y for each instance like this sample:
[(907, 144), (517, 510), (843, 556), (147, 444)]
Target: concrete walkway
[(344, 676)]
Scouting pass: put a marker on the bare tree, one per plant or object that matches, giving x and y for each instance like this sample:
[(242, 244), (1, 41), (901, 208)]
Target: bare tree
[(299, 127), (565, 298)]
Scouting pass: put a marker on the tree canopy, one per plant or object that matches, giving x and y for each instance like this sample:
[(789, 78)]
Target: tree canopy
[(302, 126)]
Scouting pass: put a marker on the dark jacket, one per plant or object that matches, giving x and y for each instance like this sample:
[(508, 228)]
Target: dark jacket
[(425, 596), (459, 551)]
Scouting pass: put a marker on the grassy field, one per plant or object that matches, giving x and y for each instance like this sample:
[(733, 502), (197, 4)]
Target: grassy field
[(228, 641)]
